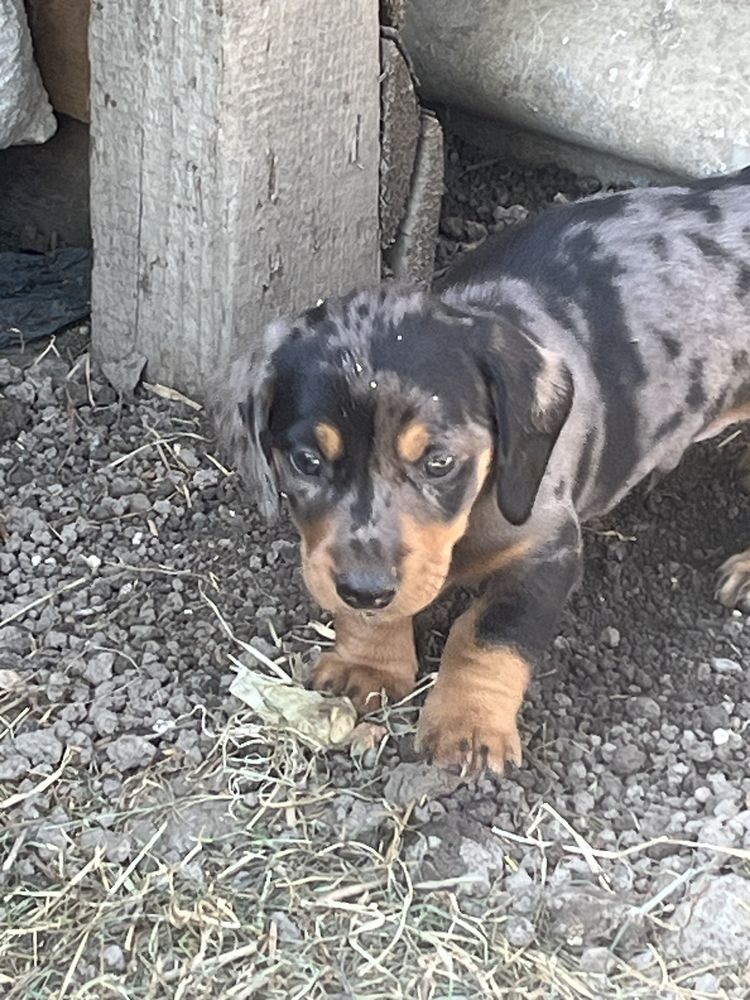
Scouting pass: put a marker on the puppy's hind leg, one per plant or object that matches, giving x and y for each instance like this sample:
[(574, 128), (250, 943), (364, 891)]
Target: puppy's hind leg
[(733, 588)]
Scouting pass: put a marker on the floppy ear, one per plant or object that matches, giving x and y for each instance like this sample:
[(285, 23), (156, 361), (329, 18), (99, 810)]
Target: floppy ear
[(239, 401), (531, 393)]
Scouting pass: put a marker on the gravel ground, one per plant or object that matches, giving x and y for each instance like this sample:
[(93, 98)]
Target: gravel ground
[(157, 841)]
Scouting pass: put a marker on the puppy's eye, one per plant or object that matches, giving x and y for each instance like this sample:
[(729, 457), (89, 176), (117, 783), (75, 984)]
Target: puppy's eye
[(306, 462), (439, 464)]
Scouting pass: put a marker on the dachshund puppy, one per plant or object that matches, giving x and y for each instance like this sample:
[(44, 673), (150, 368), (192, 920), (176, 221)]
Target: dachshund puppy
[(463, 436)]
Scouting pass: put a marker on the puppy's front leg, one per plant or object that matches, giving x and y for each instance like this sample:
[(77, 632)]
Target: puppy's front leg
[(470, 717), (371, 655)]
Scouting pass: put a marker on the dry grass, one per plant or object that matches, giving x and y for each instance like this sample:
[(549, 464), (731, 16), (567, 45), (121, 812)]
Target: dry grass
[(267, 900)]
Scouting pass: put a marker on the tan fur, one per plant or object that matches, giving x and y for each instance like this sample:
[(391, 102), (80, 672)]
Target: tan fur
[(371, 656), (317, 564), (429, 548), (470, 716), (486, 563), (330, 440), (412, 442), (424, 570), (735, 416)]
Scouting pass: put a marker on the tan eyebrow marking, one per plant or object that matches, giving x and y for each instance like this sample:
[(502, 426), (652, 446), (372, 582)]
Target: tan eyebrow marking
[(330, 440), (413, 441)]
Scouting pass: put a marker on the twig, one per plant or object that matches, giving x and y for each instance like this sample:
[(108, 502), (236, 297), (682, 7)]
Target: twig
[(74, 964), (44, 784), (153, 444), (256, 653), (138, 858), (43, 600), (165, 392)]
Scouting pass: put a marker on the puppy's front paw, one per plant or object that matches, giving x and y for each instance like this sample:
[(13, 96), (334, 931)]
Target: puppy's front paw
[(733, 588), (463, 744), (364, 685), (468, 730)]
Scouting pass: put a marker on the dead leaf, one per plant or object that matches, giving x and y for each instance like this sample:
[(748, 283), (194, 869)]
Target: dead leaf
[(324, 631), (316, 719), (366, 736)]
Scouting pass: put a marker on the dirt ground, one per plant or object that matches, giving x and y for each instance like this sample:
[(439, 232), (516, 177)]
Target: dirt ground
[(156, 841)]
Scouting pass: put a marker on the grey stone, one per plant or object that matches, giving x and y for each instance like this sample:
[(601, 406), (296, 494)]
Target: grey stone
[(713, 921), (584, 916), (611, 637), (583, 803), (714, 717), (598, 960), (14, 639), (353, 816), (40, 746), (287, 928), (9, 373), (519, 931), (643, 708), (13, 767), (98, 668), (628, 760), (113, 958), (724, 666), (129, 752), (117, 847), (708, 983), (104, 721), (484, 861), (414, 782), (139, 503)]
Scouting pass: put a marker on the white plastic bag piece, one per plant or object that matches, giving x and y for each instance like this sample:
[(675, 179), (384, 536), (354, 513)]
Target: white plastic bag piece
[(25, 112)]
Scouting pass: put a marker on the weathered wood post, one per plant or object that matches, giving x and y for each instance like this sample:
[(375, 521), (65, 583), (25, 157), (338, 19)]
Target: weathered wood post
[(234, 167)]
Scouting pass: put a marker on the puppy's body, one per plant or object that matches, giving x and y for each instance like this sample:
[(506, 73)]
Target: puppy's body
[(646, 295), (464, 436)]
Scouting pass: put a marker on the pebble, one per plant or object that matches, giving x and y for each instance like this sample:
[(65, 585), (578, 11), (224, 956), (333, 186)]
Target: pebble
[(113, 958), (98, 668), (130, 752), (628, 760), (40, 746), (713, 921), (139, 503), (408, 783), (725, 666), (519, 931), (611, 637), (598, 960), (13, 767), (14, 639)]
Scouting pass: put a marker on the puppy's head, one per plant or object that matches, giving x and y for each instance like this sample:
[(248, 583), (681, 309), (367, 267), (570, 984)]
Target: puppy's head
[(382, 417)]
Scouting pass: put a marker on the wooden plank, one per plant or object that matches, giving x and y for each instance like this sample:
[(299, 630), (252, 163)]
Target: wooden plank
[(412, 257), (399, 137), (59, 29), (234, 172)]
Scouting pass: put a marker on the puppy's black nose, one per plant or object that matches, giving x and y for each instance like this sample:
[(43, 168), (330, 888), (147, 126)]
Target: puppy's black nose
[(366, 589)]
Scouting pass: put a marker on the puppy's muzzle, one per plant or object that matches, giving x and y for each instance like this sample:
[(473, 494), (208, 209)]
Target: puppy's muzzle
[(366, 589)]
